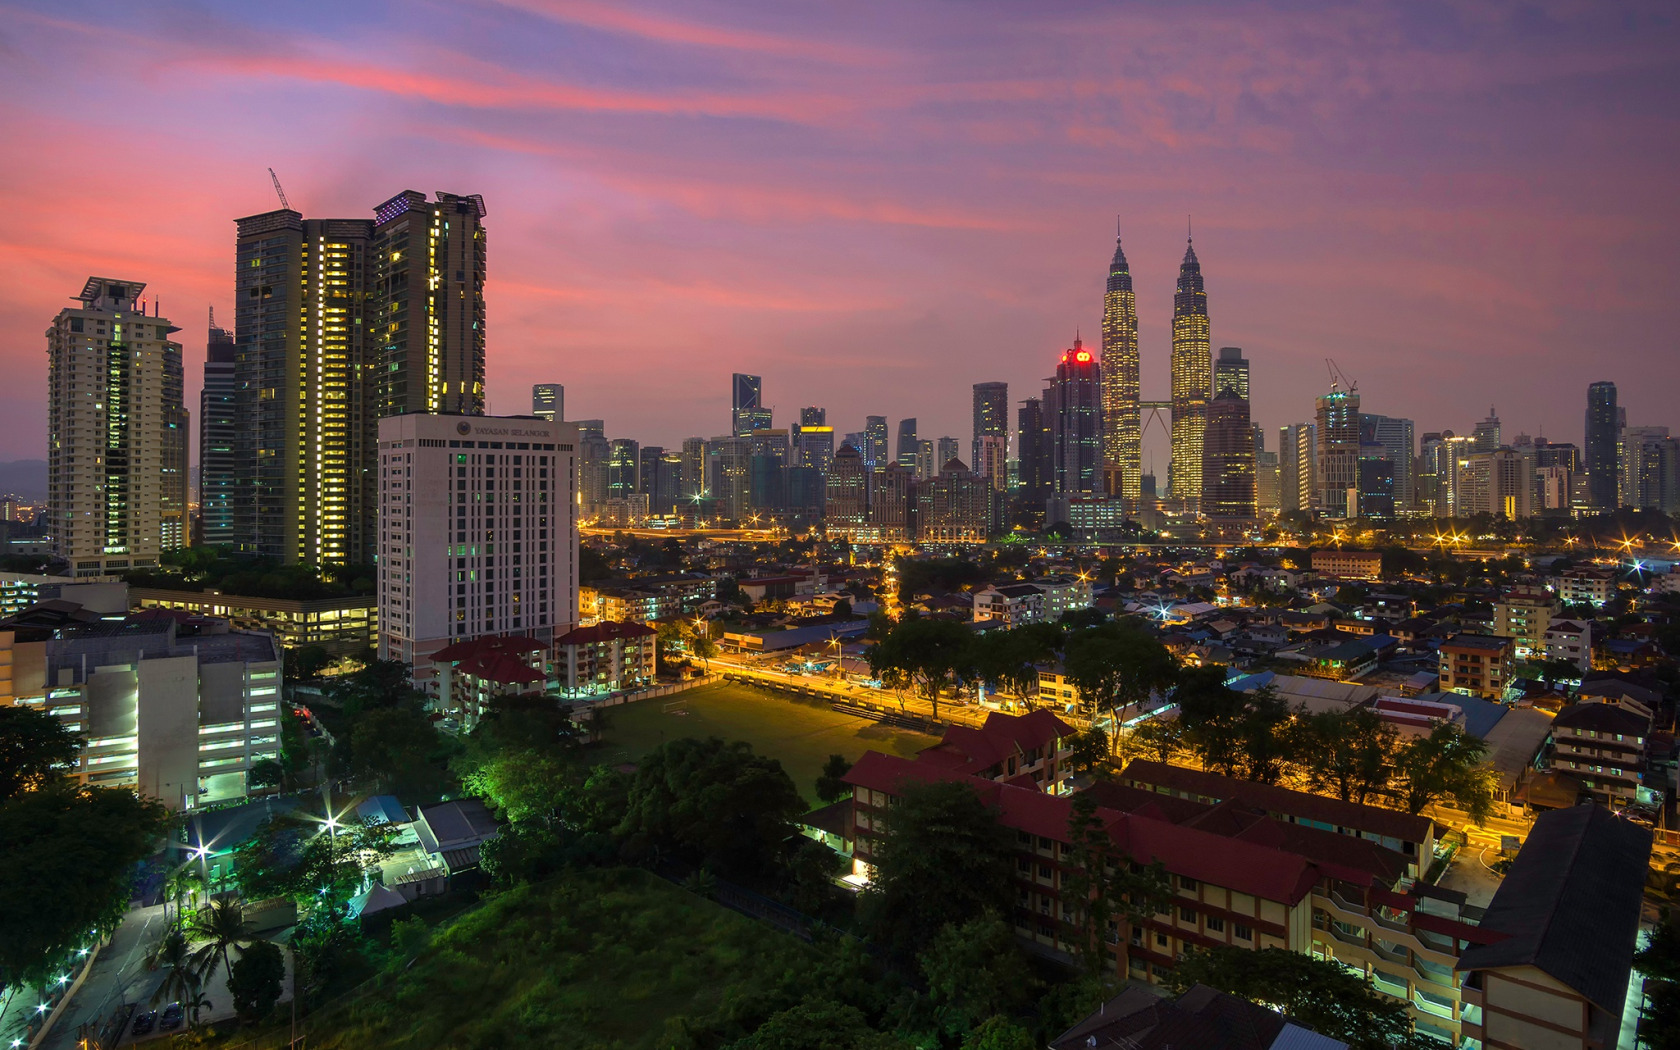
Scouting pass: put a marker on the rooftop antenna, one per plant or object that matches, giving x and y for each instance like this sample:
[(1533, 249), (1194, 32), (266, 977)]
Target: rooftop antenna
[(284, 203), (1189, 230)]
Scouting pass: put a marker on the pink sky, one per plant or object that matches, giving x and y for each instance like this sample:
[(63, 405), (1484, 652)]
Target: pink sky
[(875, 206)]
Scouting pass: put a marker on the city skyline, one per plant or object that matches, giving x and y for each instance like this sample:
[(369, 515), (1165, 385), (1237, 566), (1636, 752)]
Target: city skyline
[(1532, 232)]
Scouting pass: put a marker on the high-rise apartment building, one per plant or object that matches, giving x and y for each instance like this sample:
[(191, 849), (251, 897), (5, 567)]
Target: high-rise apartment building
[(991, 416), (1192, 377), (548, 401), (593, 455), (694, 490), (219, 483), (115, 431), (992, 460), (1297, 467), (1122, 435), (1646, 458), (1394, 436), (1073, 410), (1338, 453), (955, 506), (813, 417), (1230, 372), (1268, 486), (746, 405), (477, 532), (1228, 492), (428, 291), (925, 465), (874, 448), (729, 476), (624, 464), (945, 451), (1599, 448), (302, 318), (890, 498)]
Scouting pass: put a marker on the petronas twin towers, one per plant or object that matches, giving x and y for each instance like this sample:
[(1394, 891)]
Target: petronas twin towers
[(1192, 378)]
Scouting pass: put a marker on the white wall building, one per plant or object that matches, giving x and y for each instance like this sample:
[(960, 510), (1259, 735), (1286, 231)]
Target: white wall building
[(477, 532)]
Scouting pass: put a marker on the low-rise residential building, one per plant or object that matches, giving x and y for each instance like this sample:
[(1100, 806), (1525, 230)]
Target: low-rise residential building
[(1201, 1018), (347, 626), (1478, 664), (471, 673), (106, 595), (1523, 614), (1348, 564), (1570, 640), (1012, 605), (1585, 585), (604, 658), (1238, 877), (1606, 747), (1570, 910), (1019, 748), (1340, 661), (1063, 594)]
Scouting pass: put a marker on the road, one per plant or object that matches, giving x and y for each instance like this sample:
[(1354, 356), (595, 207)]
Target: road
[(119, 976), (851, 693)]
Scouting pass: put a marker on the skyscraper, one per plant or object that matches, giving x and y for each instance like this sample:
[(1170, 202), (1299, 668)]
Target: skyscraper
[(947, 451), (1338, 453), (306, 415), (1228, 492), (111, 403), (429, 327), (1032, 449), (1395, 438), (1192, 376), (1297, 467), (1486, 435), (813, 417), (1600, 445), (905, 452), (846, 498), (624, 464), (1230, 372), (991, 415), (548, 401), (1073, 410), (874, 448), (746, 405), (219, 483), (1122, 439), (173, 524)]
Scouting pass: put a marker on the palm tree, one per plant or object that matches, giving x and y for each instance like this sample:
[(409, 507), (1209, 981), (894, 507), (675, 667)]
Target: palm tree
[(221, 926), (180, 971), (184, 883)]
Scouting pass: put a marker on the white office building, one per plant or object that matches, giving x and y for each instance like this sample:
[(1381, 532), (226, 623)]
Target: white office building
[(477, 532)]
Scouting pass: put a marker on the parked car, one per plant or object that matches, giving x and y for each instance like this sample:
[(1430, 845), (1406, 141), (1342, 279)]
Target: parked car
[(145, 1021), (172, 1015)]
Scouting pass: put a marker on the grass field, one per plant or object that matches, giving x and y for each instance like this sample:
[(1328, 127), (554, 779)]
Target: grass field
[(799, 733), (606, 960)]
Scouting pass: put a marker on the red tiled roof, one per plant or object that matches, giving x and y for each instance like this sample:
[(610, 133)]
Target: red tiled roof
[(974, 750), (1248, 867), (1302, 804), (605, 631), (494, 659)]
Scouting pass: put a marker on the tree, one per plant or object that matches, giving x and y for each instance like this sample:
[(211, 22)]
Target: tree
[(307, 662), (712, 804), (975, 969), (221, 926), (931, 654), (265, 774), (1010, 659), (1321, 995), (1117, 665), (70, 857), (830, 786), (943, 859), (818, 1024), (1099, 887), (1659, 961), (34, 746), (181, 978), (999, 1033), (702, 644), (1089, 750), (375, 685), (401, 750), (1213, 716), (1158, 739), (1446, 765), (255, 981), (1345, 752)]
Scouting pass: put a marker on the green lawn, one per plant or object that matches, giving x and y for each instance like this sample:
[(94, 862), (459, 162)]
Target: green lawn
[(800, 733), (602, 960)]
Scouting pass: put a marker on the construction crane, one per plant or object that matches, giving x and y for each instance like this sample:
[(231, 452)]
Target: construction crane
[(284, 203), (1338, 379)]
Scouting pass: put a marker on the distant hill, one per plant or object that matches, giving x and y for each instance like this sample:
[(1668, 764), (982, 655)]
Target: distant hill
[(24, 477)]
